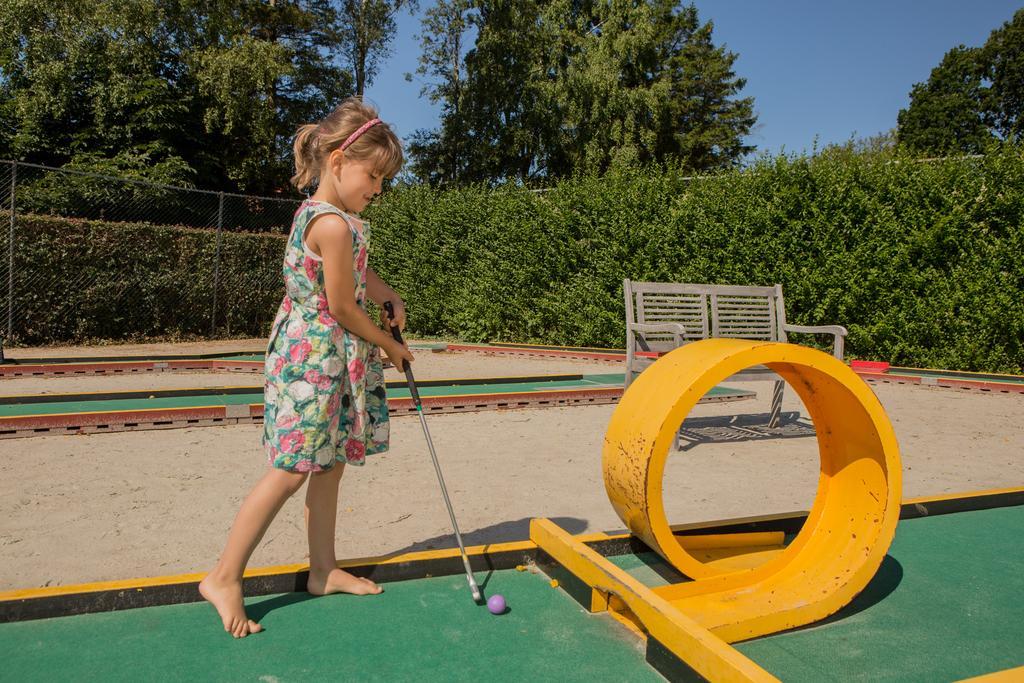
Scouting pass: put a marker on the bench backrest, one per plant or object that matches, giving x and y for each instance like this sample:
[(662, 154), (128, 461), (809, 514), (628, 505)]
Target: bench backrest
[(705, 311)]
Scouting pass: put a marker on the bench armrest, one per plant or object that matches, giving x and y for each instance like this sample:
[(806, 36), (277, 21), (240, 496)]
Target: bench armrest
[(837, 330), (677, 330)]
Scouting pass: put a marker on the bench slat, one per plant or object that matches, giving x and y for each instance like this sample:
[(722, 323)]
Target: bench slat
[(732, 310), (745, 313), (673, 288)]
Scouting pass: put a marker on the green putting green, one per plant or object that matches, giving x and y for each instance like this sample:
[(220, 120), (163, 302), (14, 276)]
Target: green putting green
[(427, 629), (945, 605)]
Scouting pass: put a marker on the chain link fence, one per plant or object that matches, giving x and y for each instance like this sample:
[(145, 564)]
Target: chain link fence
[(86, 256)]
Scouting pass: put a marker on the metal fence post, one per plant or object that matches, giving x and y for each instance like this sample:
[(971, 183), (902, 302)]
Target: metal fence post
[(10, 257), (216, 263)]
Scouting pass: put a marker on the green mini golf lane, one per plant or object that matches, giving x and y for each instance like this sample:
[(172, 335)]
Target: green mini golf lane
[(596, 381), (427, 629), (946, 604)]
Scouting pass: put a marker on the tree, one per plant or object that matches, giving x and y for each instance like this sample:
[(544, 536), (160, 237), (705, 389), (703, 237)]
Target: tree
[(502, 115), (1002, 59), (489, 96), (81, 79), (945, 113), (260, 70), (442, 40), (555, 87), (973, 97), (644, 82), (203, 91), (366, 29)]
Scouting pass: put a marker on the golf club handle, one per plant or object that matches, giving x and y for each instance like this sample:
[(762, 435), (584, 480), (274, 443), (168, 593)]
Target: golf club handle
[(397, 334)]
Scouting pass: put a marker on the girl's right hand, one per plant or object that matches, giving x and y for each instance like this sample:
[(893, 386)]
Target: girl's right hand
[(398, 354)]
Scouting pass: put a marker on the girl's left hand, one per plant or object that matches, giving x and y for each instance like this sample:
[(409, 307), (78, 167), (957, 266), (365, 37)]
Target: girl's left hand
[(399, 320)]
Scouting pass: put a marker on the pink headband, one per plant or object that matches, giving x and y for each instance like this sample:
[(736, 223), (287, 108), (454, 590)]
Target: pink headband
[(362, 129)]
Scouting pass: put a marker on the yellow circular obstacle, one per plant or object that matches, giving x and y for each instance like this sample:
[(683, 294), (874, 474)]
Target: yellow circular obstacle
[(851, 523)]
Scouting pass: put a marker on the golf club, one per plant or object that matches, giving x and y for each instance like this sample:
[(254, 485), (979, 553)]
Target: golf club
[(397, 334)]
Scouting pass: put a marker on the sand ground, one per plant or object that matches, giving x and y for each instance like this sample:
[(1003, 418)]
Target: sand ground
[(111, 506)]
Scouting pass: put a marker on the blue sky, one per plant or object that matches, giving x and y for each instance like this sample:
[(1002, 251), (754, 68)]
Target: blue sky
[(828, 70)]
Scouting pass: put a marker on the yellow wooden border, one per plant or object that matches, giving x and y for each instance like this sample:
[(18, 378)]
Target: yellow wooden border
[(599, 536), (140, 584), (736, 540), (924, 500), (1014, 675), (705, 653)]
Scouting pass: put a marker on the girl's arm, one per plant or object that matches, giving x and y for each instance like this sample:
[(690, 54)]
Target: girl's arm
[(330, 236), (379, 292)]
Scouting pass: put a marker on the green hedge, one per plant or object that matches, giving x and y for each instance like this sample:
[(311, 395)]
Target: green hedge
[(87, 281), (922, 262)]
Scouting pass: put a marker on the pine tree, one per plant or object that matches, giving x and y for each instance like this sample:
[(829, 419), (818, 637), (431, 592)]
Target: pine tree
[(556, 87)]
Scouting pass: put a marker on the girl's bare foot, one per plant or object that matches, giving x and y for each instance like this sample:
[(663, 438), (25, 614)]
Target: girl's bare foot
[(226, 596), (340, 581)]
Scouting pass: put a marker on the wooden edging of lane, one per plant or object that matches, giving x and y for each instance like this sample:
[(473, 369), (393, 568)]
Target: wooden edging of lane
[(38, 603)]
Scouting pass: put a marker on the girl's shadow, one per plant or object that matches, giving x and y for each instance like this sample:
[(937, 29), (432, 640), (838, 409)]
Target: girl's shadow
[(258, 610)]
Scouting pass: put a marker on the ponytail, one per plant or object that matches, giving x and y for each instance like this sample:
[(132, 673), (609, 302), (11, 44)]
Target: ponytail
[(307, 169)]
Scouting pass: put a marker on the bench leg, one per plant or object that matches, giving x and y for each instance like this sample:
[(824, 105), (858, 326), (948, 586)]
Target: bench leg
[(776, 411)]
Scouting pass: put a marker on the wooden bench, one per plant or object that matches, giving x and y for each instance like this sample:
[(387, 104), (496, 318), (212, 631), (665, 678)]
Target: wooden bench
[(661, 316)]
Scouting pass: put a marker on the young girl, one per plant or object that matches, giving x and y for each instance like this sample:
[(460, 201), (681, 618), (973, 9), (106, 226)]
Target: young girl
[(324, 390)]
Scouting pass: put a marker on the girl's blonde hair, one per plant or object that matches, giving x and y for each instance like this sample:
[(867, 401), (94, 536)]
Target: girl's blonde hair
[(315, 141)]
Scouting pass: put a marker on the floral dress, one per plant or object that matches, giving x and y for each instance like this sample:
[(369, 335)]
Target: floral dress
[(324, 395)]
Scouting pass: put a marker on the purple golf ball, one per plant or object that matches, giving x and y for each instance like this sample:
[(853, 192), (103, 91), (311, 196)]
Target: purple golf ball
[(496, 603)]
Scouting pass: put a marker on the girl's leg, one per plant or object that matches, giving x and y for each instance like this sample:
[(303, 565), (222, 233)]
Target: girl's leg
[(223, 586), (321, 520)]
